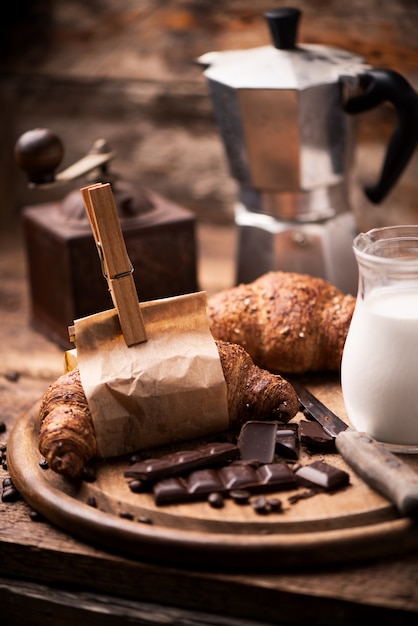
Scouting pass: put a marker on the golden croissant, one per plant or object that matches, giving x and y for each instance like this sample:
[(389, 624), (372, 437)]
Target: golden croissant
[(289, 323), (67, 439)]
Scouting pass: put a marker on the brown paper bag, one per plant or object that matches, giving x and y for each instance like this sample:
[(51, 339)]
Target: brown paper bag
[(167, 389)]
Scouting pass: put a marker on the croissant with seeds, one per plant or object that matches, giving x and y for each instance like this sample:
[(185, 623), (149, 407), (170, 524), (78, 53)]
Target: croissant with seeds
[(289, 323)]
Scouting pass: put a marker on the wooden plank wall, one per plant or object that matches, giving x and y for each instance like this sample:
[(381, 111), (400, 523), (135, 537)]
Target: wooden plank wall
[(126, 71)]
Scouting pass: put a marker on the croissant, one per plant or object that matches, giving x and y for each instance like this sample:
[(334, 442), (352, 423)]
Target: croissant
[(67, 439), (289, 323)]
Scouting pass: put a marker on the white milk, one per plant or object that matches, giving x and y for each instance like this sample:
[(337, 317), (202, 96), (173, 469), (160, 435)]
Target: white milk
[(379, 373)]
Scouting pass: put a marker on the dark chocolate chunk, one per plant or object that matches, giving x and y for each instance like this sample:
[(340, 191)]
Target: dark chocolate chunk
[(257, 440), (314, 437), (287, 441), (183, 461), (275, 476), (323, 475), (200, 483), (43, 464), (203, 482), (170, 490), (237, 476), (3, 427)]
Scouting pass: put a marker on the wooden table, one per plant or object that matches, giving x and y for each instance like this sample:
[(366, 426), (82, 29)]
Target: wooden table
[(49, 577)]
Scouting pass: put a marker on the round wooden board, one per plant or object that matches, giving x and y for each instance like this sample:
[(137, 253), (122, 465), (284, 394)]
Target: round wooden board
[(352, 524)]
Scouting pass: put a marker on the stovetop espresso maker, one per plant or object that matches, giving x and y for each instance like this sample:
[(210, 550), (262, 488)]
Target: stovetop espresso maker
[(283, 112)]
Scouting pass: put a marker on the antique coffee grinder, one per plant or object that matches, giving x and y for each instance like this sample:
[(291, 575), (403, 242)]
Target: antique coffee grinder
[(66, 280), (283, 114)]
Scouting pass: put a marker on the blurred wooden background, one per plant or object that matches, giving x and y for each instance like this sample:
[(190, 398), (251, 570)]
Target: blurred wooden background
[(125, 70)]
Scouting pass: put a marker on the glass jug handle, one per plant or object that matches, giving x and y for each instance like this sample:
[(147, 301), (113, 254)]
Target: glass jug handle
[(387, 85)]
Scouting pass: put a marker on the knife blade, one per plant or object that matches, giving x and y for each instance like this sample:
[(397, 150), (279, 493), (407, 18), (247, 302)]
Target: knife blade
[(382, 470), (314, 408)]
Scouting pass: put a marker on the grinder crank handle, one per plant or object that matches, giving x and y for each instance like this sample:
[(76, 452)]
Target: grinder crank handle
[(380, 469), (387, 85)]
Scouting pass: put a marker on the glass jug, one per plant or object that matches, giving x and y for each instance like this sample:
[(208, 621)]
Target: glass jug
[(379, 372)]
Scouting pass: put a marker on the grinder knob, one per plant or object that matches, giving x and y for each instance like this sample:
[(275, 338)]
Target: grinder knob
[(39, 152)]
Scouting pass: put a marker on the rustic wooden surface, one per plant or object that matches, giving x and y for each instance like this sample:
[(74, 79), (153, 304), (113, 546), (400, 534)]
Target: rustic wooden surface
[(356, 520), (48, 577)]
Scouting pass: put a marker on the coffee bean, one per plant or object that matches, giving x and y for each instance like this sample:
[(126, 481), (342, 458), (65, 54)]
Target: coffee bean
[(126, 515), (91, 501), (216, 500), (261, 505), (145, 520), (88, 475), (43, 464), (12, 376), (10, 494), (35, 516), (240, 496), (276, 505), (136, 486), (3, 427)]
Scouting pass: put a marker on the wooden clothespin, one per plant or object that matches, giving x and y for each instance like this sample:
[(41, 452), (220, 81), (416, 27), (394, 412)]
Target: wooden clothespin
[(117, 268)]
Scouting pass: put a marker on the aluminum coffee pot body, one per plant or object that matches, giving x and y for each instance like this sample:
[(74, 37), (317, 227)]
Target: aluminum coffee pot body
[(283, 118)]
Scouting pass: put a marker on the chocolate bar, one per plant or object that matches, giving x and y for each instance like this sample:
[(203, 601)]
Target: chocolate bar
[(200, 484), (207, 455), (323, 475), (257, 440), (314, 437), (287, 441)]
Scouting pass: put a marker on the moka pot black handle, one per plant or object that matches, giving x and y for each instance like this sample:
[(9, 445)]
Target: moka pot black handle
[(382, 85)]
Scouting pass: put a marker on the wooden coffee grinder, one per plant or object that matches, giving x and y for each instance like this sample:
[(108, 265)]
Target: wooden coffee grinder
[(66, 281)]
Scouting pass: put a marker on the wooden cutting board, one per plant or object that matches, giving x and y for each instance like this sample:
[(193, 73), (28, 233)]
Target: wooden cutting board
[(348, 525)]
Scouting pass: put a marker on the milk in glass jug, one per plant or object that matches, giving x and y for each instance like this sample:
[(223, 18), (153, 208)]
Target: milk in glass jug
[(379, 373)]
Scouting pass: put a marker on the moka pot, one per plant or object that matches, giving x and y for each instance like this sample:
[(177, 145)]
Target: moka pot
[(286, 125)]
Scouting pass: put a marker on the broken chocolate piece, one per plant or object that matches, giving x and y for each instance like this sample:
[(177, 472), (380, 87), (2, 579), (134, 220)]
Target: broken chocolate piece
[(314, 437), (287, 441), (237, 476), (257, 440), (200, 483), (182, 461), (204, 481), (170, 490), (322, 475)]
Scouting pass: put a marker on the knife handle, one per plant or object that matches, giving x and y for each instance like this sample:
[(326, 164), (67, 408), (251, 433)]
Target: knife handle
[(380, 469)]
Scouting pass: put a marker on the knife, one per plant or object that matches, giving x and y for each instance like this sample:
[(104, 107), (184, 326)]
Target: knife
[(372, 461)]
